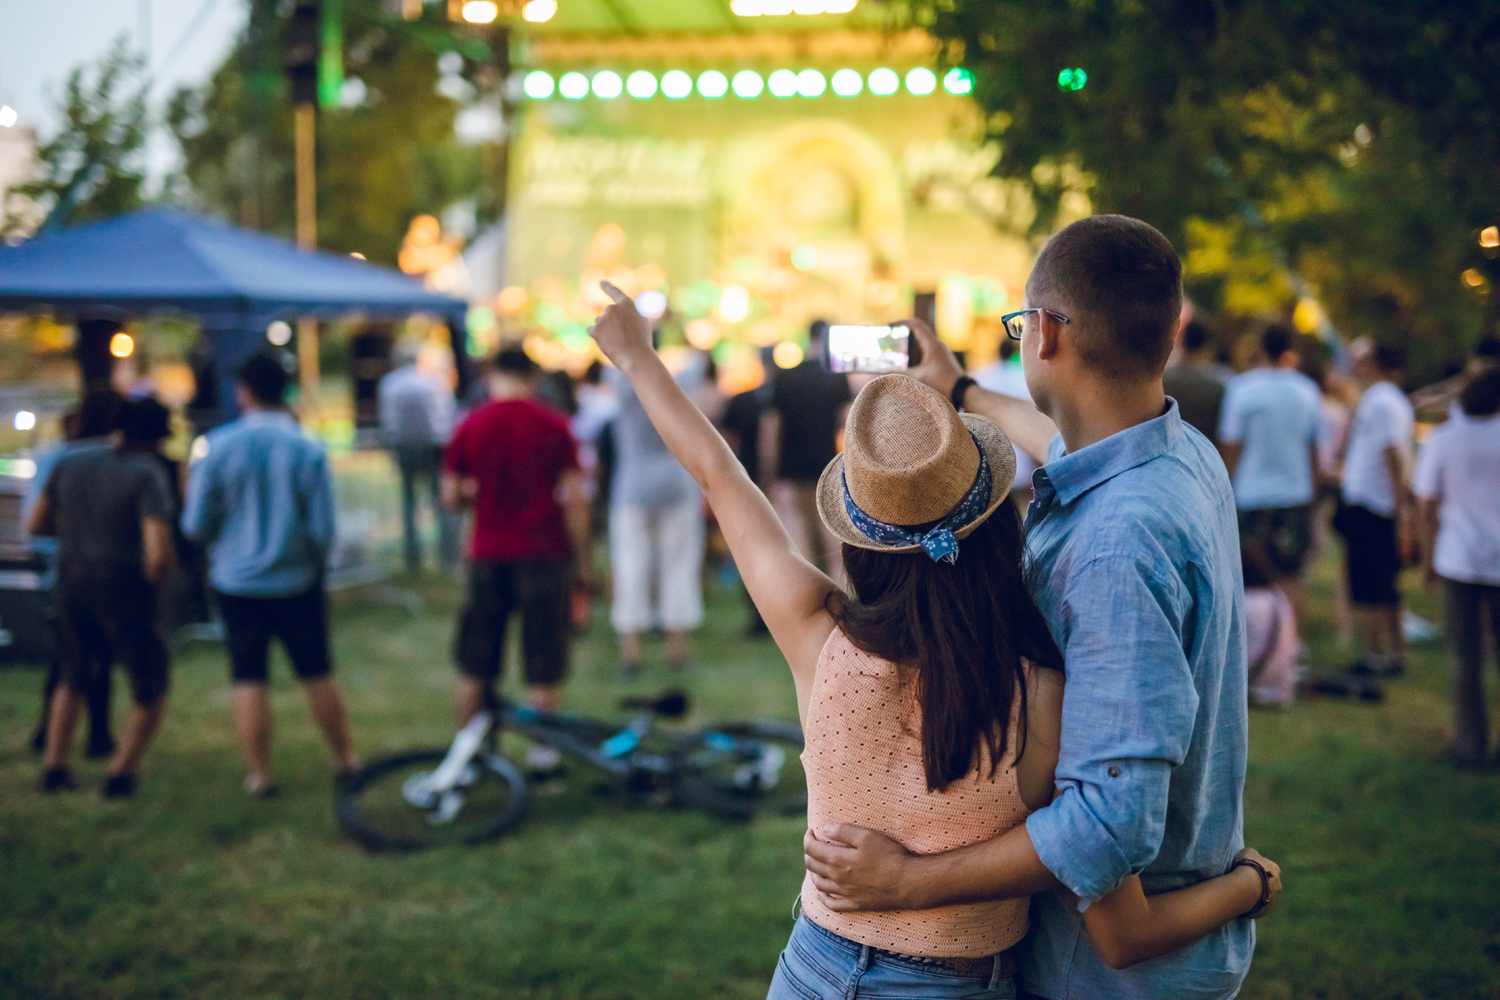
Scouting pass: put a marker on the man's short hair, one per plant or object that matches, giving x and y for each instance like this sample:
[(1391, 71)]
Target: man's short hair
[(145, 422), (98, 414), (1275, 340), (1125, 278), (1196, 335), (263, 377), (817, 329), (515, 361), (1481, 394)]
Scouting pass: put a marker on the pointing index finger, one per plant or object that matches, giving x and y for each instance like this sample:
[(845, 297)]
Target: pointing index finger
[(614, 293)]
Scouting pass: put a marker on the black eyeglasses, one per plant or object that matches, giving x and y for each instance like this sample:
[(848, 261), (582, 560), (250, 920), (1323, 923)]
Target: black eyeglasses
[(1015, 322)]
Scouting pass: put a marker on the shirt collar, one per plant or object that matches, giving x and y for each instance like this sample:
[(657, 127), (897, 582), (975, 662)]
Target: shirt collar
[(1073, 475)]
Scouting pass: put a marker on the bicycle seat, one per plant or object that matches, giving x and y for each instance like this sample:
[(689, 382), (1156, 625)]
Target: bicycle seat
[(667, 704)]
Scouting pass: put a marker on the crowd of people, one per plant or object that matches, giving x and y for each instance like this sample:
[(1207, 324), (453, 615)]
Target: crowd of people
[(1172, 508)]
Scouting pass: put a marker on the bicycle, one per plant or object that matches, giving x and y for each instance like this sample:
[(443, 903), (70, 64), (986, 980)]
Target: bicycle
[(470, 792)]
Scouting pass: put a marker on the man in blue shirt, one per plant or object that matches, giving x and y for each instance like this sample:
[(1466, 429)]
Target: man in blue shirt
[(1268, 435), (1132, 544), (261, 501)]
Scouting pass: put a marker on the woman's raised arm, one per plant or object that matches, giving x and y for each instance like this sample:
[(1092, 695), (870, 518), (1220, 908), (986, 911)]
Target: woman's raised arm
[(789, 591)]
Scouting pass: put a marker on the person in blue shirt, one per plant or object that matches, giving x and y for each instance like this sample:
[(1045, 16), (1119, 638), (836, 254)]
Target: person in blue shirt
[(1132, 546), (261, 502), (1268, 435)]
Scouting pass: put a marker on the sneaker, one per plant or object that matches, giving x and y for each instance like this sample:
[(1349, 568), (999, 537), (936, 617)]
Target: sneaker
[(57, 779), (119, 786), (259, 788), (543, 762)]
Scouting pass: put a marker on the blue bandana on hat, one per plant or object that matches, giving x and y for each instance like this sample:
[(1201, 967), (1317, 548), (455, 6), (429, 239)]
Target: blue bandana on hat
[(939, 541)]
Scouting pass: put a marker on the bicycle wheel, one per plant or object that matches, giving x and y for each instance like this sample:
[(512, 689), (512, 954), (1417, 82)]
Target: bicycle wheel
[(739, 769), (378, 809)]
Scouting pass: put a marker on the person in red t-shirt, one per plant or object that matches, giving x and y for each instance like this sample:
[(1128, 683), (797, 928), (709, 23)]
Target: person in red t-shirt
[(514, 462)]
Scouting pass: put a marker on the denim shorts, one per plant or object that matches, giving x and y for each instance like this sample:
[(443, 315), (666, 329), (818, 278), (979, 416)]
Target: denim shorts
[(821, 965)]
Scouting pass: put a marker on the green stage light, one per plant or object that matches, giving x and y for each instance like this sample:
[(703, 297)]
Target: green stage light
[(783, 83), (848, 82), (607, 85), (805, 258), (958, 81), (640, 85), (675, 84), (573, 86), (921, 81), (884, 82), (539, 85), (712, 84), (747, 84), (810, 83), (1072, 79)]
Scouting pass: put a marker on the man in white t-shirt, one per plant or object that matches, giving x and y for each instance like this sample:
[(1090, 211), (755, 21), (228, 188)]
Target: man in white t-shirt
[(1457, 483), (1376, 518), (1268, 435)]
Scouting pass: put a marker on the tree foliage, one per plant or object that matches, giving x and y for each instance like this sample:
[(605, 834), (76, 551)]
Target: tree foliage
[(1355, 146), (93, 168), (390, 156)]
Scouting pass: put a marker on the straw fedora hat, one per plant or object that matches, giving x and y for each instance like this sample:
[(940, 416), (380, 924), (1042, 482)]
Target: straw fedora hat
[(909, 459)]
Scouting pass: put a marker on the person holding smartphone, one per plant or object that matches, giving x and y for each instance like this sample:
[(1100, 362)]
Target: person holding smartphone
[(930, 696)]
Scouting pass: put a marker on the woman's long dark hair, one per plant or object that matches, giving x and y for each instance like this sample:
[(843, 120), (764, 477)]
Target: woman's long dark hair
[(963, 627)]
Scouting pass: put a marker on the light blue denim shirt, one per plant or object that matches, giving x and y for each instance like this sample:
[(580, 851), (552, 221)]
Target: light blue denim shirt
[(1134, 551), (262, 501)]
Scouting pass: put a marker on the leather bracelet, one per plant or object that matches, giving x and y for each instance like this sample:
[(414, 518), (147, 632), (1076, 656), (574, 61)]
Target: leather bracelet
[(956, 394), (1265, 885)]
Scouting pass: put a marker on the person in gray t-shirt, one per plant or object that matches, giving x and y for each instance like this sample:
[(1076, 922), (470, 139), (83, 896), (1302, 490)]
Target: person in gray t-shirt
[(655, 521), (111, 512)]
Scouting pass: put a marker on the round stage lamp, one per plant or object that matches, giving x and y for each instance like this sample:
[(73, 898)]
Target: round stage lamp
[(573, 86), (734, 303), (640, 85), (651, 303), (921, 81), (848, 82), (121, 345), (810, 83), (481, 11), (787, 354), (958, 81), (538, 85), (747, 84), (676, 84), (805, 258), (809, 6), (279, 333), (607, 85), (884, 82), (839, 6), (538, 11), (783, 83), (25, 420), (713, 84)]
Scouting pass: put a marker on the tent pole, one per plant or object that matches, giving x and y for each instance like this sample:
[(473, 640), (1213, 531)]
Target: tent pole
[(307, 237)]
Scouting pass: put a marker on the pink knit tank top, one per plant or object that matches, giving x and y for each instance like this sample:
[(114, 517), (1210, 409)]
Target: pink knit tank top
[(863, 760)]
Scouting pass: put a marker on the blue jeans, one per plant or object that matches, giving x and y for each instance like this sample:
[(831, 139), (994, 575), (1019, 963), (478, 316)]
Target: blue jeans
[(821, 965)]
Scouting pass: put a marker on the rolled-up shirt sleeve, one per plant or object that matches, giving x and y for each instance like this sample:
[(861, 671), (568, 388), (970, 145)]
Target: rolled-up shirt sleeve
[(1128, 714)]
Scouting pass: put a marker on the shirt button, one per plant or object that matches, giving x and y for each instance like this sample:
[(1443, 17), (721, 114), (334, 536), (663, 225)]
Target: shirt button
[(1114, 770)]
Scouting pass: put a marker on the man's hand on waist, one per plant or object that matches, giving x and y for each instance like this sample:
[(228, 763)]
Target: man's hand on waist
[(857, 869)]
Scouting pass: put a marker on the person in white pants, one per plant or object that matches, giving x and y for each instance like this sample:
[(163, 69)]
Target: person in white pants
[(655, 535)]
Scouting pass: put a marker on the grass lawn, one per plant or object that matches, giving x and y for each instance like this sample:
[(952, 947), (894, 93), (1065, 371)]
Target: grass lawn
[(1392, 859)]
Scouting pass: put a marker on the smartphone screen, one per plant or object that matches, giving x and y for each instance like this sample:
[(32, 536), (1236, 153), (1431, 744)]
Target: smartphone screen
[(877, 349)]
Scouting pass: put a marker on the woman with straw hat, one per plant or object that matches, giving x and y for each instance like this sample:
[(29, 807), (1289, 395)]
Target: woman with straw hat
[(930, 699)]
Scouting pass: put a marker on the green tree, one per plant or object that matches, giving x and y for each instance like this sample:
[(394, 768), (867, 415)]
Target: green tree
[(92, 168), (1353, 146), (386, 158)]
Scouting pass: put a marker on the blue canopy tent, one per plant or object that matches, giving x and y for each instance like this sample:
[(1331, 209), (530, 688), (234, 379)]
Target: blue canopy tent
[(234, 282)]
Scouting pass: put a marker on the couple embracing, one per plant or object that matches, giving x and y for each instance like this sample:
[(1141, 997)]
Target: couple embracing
[(1025, 754)]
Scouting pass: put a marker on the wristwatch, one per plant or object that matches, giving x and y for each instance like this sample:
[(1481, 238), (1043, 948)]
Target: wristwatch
[(956, 396)]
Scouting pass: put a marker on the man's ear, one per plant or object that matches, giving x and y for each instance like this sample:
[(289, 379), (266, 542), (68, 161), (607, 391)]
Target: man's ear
[(1051, 336)]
